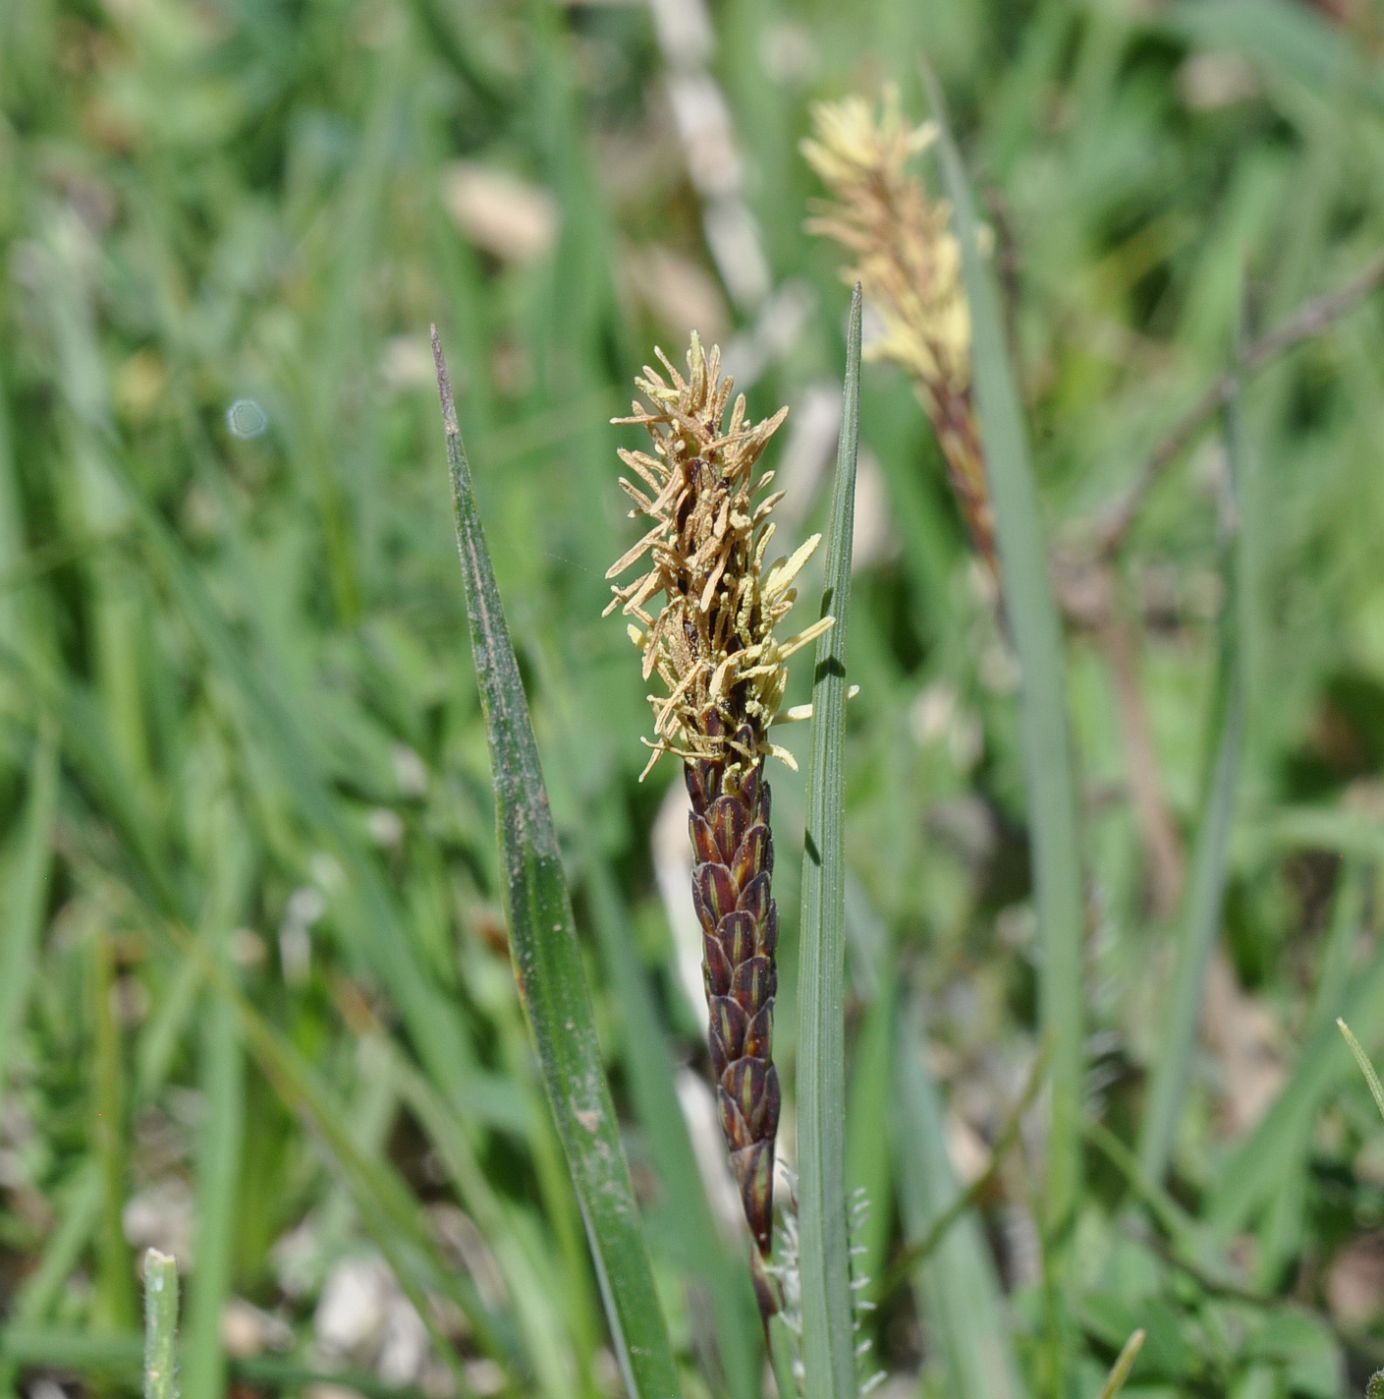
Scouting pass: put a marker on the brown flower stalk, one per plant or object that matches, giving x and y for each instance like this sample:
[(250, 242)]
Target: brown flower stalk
[(909, 263), (703, 614)]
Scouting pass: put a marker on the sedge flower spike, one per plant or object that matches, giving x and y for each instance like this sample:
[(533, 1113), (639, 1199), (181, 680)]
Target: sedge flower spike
[(703, 613), (909, 262)]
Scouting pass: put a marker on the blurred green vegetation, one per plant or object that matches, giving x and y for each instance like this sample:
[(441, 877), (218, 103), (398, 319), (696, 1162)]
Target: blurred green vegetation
[(255, 1003)]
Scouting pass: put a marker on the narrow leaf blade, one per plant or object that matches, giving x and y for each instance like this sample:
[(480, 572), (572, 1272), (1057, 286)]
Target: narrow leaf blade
[(1366, 1068), (1124, 1364), (547, 960), (1037, 638), (223, 1133), (1210, 861), (1252, 1172), (29, 874), (957, 1286), (828, 1334)]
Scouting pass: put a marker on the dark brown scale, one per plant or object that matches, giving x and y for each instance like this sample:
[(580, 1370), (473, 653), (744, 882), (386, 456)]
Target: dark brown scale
[(734, 860)]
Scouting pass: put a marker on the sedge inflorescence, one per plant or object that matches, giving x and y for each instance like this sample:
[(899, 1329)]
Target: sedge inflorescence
[(909, 262), (704, 610)]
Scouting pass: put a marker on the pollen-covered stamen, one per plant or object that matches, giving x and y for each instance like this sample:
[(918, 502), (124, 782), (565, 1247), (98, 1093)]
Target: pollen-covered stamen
[(711, 641)]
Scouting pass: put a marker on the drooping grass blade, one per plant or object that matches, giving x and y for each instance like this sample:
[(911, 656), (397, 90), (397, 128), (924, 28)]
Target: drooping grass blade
[(547, 960)]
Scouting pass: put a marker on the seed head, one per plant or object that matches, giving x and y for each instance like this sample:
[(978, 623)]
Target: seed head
[(704, 610), (909, 263), (907, 258)]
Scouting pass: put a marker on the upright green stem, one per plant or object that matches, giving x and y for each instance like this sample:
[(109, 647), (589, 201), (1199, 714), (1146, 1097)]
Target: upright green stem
[(115, 1306), (160, 1325)]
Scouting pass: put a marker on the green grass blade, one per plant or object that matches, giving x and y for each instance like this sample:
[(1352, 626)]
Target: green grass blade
[(918, 1251), (870, 1111), (222, 1065), (1287, 1225), (646, 1055), (548, 964), (121, 1358), (219, 1161), (1366, 1068), (827, 1318), (1252, 1173), (534, 1294), (89, 748), (958, 1291), (78, 1211), (649, 1063), (1202, 919), (388, 1208), (115, 1305), (1123, 1365), (28, 895), (1037, 639), (160, 1326), (378, 936), (1210, 859), (1334, 970), (1172, 1218)]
